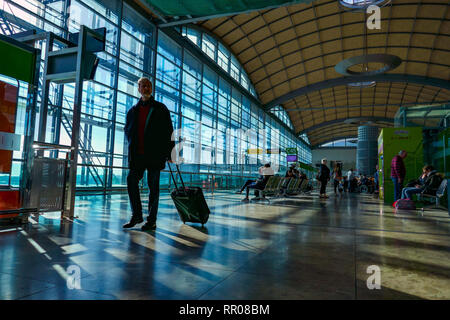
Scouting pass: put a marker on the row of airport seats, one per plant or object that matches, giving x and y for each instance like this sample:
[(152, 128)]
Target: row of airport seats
[(279, 187)]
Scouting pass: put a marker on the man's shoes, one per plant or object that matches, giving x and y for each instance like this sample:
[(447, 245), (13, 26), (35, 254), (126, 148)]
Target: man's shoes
[(148, 227), (245, 200), (256, 198), (134, 221)]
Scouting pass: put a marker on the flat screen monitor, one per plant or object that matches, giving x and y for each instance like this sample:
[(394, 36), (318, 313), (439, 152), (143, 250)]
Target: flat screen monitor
[(292, 158)]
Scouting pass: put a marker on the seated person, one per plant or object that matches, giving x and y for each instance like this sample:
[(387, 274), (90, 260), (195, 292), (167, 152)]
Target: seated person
[(266, 172), (432, 181), (363, 180), (249, 182), (289, 174), (419, 181), (302, 175), (371, 184)]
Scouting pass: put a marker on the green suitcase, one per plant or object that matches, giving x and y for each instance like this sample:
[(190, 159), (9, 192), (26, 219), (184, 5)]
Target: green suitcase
[(189, 201)]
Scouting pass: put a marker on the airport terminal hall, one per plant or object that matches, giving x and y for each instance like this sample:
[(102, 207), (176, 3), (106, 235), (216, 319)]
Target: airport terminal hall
[(224, 150)]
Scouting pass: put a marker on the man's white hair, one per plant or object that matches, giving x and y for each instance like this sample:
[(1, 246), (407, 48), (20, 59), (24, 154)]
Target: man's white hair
[(144, 79), (324, 159)]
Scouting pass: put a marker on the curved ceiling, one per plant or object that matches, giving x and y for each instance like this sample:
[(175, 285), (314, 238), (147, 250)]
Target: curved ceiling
[(290, 53)]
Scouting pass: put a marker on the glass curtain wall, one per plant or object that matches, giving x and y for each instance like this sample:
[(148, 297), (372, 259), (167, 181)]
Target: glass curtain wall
[(213, 115)]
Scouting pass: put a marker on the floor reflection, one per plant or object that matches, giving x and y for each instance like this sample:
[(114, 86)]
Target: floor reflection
[(293, 248)]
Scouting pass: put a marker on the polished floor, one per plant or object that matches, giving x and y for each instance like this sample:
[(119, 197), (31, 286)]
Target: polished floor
[(295, 248)]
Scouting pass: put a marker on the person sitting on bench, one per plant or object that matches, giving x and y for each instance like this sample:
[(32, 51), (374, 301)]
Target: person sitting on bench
[(432, 181), (249, 182), (266, 172)]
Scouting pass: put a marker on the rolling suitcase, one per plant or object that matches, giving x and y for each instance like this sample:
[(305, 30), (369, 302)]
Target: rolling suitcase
[(404, 204), (190, 202)]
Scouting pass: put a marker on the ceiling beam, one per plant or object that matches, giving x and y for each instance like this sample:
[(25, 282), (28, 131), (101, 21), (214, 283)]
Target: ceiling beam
[(370, 106), (328, 123), (317, 145), (436, 82)]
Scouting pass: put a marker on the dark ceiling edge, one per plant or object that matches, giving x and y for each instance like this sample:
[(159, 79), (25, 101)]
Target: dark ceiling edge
[(174, 22), (138, 5), (434, 82)]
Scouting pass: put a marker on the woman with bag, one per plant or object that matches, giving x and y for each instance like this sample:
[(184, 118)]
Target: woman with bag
[(337, 177)]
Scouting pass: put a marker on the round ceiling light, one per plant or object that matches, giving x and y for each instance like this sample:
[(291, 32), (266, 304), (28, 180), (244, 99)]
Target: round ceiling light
[(363, 84), (388, 62), (357, 5)]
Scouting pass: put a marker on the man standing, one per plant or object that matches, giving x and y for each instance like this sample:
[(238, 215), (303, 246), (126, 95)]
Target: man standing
[(398, 173), (148, 130), (323, 177)]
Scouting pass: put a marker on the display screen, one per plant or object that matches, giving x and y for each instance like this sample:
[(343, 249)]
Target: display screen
[(292, 158)]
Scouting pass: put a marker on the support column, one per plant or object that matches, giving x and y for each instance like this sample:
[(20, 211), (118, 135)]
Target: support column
[(72, 180)]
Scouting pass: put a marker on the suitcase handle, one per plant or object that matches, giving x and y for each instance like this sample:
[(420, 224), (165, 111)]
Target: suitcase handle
[(173, 178)]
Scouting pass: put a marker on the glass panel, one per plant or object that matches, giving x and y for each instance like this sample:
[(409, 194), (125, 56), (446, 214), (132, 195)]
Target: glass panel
[(210, 78), (97, 100), (193, 35), (191, 86), (136, 53), (192, 65), (223, 57), (80, 14), (169, 49), (167, 72), (209, 46), (137, 26), (167, 95), (124, 103), (190, 108)]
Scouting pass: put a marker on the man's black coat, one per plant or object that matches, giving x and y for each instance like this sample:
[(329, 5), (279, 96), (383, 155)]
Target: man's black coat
[(157, 137)]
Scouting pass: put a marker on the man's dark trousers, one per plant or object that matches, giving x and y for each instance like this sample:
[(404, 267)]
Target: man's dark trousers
[(136, 173), (398, 186)]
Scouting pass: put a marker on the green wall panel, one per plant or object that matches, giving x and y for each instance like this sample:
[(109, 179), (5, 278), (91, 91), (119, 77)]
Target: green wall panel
[(16, 62), (390, 142)]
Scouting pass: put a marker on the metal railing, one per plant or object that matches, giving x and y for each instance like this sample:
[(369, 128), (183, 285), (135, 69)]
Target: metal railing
[(208, 181)]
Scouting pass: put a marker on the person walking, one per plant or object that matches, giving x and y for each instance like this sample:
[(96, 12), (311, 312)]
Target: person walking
[(148, 130), (337, 177), (323, 177), (398, 173)]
